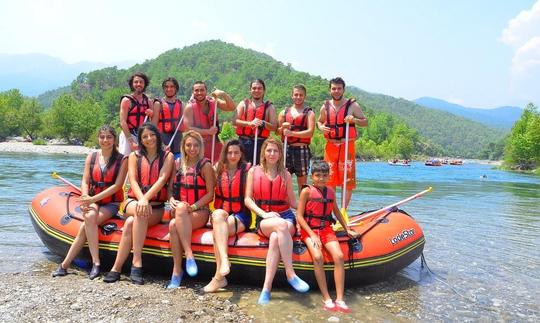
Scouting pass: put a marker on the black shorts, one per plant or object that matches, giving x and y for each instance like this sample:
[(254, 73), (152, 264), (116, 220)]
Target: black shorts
[(175, 146), (247, 142), (298, 158)]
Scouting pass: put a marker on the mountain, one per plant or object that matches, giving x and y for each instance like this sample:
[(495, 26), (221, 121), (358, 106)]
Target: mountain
[(47, 98), (34, 74), (231, 68), (457, 135), (502, 117)]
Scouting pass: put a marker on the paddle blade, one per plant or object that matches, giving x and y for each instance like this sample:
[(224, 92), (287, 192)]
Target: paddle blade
[(54, 175), (345, 215), (337, 226), (253, 221), (123, 204)]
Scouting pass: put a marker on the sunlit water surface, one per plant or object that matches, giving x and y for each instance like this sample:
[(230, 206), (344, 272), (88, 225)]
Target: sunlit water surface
[(482, 242)]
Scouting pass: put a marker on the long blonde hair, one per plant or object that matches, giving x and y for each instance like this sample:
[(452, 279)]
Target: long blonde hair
[(280, 167), (197, 136)]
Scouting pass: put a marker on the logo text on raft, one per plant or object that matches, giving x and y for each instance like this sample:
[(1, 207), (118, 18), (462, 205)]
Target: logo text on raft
[(403, 235)]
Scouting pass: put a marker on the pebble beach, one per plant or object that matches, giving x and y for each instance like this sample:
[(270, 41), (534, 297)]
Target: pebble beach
[(28, 147), (35, 296)]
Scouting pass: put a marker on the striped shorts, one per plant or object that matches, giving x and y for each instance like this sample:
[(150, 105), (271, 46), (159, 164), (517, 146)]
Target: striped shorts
[(298, 158)]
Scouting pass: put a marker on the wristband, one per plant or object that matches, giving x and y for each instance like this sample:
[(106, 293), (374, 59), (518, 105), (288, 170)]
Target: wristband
[(195, 207)]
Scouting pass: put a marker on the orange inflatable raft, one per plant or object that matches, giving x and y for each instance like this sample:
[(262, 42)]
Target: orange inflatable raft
[(386, 245)]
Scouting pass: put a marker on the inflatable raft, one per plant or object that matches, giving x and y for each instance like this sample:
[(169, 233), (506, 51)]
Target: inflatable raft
[(387, 244)]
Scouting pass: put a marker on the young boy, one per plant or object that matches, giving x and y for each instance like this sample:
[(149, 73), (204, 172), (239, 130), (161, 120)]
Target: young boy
[(314, 215)]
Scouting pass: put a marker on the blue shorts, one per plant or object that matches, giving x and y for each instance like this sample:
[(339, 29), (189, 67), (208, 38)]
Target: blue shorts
[(245, 218), (111, 207), (286, 215)]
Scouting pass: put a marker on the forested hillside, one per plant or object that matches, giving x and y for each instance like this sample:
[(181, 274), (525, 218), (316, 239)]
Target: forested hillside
[(397, 128), (457, 135)]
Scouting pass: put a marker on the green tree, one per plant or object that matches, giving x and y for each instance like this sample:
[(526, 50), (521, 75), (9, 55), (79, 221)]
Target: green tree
[(228, 132), (523, 146), (89, 115), (29, 118), (10, 103), (63, 116)]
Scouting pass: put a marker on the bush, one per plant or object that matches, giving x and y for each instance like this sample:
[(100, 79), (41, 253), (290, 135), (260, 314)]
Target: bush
[(39, 142)]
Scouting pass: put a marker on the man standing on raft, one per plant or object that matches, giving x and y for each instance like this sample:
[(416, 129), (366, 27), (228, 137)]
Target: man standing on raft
[(254, 119), (135, 109), (200, 113), (335, 115), (169, 109), (297, 124)]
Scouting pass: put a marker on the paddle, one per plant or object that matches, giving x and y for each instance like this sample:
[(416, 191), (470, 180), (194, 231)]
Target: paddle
[(255, 146), (344, 189), (389, 207), (56, 176), (214, 136), (357, 221), (175, 131), (285, 152)]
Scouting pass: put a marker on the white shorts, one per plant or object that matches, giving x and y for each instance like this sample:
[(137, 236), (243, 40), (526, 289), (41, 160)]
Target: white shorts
[(124, 146)]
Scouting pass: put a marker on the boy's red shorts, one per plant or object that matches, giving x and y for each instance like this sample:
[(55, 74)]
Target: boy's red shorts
[(326, 234)]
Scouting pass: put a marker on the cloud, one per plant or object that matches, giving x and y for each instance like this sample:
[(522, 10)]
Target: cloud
[(527, 57), (523, 27), (522, 34)]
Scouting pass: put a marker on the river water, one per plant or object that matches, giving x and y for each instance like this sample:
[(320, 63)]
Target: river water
[(482, 242)]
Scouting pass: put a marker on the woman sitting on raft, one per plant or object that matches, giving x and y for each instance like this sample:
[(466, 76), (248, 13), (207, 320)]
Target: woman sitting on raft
[(231, 215), (270, 194), (192, 188), (149, 170), (101, 194)]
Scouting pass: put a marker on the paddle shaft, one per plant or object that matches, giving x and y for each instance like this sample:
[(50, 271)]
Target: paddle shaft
[(376, 222), (390, 207), (175, 131), (55, 175), (214, 136), (345, 168), (255, 146), (285, 152)]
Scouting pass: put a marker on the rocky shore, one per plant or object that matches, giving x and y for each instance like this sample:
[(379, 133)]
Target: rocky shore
[(35, 296), (28, 147)]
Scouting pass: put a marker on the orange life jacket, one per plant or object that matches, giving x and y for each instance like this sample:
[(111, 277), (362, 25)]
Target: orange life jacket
[(101, 180), (319, 206), (229, 192), (269, 195), (191, 186), (148, 174), (136, 111), (202, 120), (251, 112), (168, 120), (298, 123), (335, 120)]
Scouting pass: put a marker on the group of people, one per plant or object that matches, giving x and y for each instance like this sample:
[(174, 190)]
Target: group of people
[(166, 162)]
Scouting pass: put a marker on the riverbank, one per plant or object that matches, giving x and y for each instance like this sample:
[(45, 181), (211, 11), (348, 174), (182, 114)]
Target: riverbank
[(36, 296), (28, 147)]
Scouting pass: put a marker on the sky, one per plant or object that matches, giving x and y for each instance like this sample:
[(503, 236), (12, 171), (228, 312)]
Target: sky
[(475, 53)]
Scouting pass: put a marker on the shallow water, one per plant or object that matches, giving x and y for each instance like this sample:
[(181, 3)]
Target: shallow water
[(482, 242)]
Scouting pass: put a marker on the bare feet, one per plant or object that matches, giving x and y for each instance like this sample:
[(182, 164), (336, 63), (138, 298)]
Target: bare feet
[(215, 284), (225, 268)]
